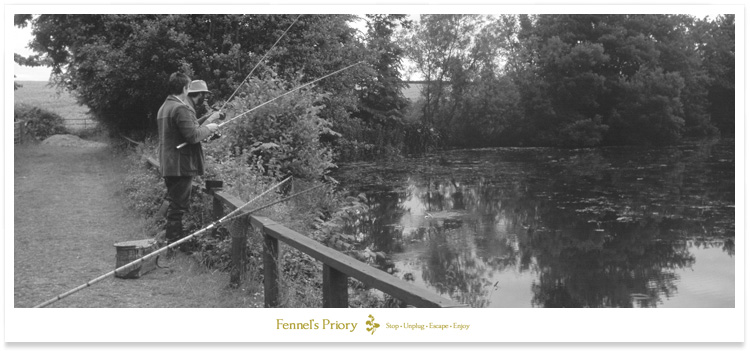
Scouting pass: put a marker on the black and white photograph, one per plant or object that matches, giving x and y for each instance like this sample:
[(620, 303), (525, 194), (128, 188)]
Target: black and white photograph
[(416, 173)]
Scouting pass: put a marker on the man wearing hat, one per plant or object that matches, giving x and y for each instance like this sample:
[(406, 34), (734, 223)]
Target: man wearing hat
[(178, 124), (196, 96)]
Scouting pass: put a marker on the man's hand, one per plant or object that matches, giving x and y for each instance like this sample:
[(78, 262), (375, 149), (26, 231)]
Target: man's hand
[(214, 116), (212, 127)]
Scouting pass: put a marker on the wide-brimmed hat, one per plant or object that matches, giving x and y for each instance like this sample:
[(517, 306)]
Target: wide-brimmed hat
[(198, 86)]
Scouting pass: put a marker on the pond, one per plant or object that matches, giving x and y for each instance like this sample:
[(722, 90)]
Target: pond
[(545, 227)]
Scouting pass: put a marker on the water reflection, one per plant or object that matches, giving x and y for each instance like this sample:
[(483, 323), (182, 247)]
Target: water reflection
[(594, 228)]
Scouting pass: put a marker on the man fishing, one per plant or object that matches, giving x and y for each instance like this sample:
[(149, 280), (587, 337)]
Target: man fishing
[(178, 124), (196, 96)]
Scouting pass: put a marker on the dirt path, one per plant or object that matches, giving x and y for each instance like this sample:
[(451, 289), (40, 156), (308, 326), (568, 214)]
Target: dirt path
[(68, 214)]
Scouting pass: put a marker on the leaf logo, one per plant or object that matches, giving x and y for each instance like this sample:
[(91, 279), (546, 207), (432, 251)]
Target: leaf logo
[(372, 325)]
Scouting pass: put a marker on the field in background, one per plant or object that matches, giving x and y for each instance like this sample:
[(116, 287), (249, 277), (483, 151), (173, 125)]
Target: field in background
[(40, 94)]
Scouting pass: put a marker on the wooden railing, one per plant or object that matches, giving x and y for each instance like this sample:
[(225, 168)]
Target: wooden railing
[(337, 267)]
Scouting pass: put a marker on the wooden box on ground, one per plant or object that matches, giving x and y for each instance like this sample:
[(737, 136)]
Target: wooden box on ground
[(129, 251)]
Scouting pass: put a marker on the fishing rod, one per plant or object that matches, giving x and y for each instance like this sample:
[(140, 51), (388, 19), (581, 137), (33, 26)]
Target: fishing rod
[(259, 62), (280, 96), (143, 259)]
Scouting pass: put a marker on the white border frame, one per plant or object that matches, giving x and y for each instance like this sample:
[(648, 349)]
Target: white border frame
[(487, 325)]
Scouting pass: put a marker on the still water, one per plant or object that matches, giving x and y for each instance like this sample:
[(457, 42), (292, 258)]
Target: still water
[(545, 227)]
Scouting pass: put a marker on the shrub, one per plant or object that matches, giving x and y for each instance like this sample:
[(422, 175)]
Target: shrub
[(40, 123), (281, 138), (583, 133), (420, 138)]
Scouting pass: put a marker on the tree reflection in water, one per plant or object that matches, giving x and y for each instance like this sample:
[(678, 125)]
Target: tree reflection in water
[(597, 228)]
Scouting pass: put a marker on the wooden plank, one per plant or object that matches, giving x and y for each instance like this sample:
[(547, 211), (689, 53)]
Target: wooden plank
[(232, 202), (335, 288), (153, 162), (239, 250), (400, 289), (271, 270), (218, 211)]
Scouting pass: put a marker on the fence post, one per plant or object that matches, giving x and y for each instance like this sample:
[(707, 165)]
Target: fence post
[(271, 270), (239, 248), (335, 288), (211, 187), (218, 210)]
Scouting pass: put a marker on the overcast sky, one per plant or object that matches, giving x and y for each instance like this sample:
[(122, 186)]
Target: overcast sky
[(21, 37)]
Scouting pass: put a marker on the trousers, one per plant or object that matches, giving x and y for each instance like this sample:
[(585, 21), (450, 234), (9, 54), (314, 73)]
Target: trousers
[(178, 195)]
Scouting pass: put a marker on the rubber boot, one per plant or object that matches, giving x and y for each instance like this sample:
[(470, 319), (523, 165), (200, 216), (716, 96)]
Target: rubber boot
[(173, 231)]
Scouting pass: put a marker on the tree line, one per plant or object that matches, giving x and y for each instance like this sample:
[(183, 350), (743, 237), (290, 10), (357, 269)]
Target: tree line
[(521, 80), (575, 80)]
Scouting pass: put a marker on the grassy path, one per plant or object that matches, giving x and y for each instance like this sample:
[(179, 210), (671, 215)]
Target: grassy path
[(68, 214)]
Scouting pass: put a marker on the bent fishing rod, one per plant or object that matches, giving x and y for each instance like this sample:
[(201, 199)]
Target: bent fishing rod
[(176, 243), (280, 96)]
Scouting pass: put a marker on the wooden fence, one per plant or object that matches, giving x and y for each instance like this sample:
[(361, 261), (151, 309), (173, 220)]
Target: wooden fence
[(80, 123), (337, 267), (18, 132)]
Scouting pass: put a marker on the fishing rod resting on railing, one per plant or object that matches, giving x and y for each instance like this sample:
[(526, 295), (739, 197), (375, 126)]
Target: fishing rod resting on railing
[(230, 216), (280, 96)]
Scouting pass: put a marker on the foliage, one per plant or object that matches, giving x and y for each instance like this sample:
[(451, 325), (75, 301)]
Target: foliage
[(282, 138), (420, 138), (40, 123), (375, 130), (144, 190), (118, 65), (574, 80), (717, 46), (340, 228), (650, 108), (635, 76), (553, 80)]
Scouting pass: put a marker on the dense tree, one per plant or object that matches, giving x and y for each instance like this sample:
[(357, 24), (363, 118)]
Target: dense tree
[(466, 96), (716, 38), (610, 78), (376, 128), (575, 80)]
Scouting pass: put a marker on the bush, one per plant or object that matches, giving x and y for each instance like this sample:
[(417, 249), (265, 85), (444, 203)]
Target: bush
[(40, 123), (420, 138), (281, 138), (583, 133)]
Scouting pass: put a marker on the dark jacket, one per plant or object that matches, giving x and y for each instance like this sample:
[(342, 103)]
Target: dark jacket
[(177, 124)]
